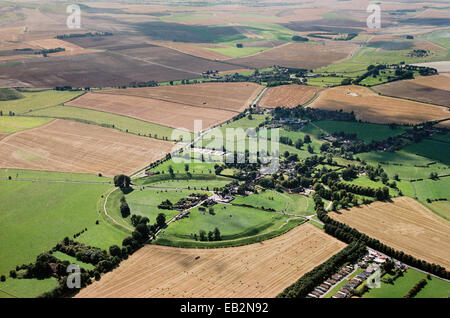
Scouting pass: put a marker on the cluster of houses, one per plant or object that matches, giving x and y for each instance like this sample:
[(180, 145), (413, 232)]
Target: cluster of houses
[(190, 201), (371, 262), (323, 288)]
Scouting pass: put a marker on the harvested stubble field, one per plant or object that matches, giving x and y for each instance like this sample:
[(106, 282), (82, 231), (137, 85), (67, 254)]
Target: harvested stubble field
[(429, 89), (153, 110), (68, 146), (288, 96), (371, 107), (298, 55), (70, 48), (405, 225), (208, 95), (258, 270)]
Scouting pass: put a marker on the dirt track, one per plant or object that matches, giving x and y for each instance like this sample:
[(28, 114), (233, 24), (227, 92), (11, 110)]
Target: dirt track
[(257, 270), (405, 225)]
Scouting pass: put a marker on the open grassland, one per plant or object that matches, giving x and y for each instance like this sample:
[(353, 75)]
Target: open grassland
[(203, 50), (195, 164), (37, 215), (36, 100), (371, 107), (183, 181), (404, 225), (26, 288), (432, 149), (7, 93), (429, 89), (206, 95), (364, 131), (234, 51), (258, 270), (283, 202), (72, 260), (145, 202), (298, 55), (372, 55), (69, 146), (30, 175), (441, 208), (10, 124), (237, 225), (288, 96), (153, 110), (123, 123), (435, 287)]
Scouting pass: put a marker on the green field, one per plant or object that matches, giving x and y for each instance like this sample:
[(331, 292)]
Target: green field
[(441, 208), (366, 182), (237, 225), (20, 174), (399, 157), (37, 100), (64, 257), (435, 287), (199, 181), (283, 202), (432, 149), (238, 52), (364, 131), (123, 123), (10, 124), (195, 165), (325, 80), (37, 215), (372, 56), (7, 93), (145, 202), (26, 288)]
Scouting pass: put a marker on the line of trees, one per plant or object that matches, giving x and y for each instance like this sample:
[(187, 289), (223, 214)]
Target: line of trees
[(416, 288), (348, 234)]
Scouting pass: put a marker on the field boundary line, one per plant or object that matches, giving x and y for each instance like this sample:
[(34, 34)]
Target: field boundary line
[(154, 63)]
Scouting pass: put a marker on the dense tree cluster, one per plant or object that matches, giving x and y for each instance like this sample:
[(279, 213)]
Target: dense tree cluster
[(416, 288)]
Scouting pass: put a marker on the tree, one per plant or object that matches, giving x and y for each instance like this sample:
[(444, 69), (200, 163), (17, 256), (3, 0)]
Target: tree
[(161, 220), (202, 235), (299, 144), (310, 149), (122, 181), (114, 250), (186, 167), (307, 139), (217, 236), (143, 229), (210, 236)]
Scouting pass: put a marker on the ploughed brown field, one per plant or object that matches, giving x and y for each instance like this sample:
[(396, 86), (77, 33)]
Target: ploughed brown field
[(288, 96), (153, 110), (258, 270), (227, 96), (69, 146), (298, 55), (405, 225), (369, 106), (429, 89)]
